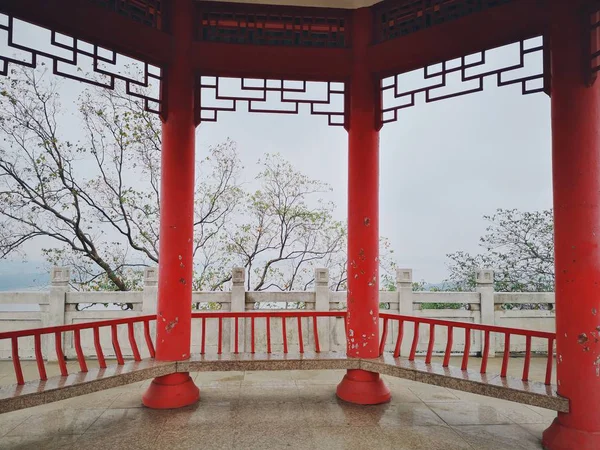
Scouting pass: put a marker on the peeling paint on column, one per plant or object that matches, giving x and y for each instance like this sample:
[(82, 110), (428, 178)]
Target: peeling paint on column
[(172, 325), (367, 221)]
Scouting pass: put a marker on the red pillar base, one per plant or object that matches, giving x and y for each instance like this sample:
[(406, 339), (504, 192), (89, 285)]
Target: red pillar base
[(171, 391), (363, 388), (560, 437)]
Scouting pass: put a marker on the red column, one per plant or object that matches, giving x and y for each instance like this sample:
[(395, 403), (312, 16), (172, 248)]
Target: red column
[(576, 178), (359, 386), (173, 328)]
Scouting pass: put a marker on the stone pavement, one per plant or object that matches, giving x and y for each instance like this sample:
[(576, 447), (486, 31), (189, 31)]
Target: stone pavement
[(279, 410)]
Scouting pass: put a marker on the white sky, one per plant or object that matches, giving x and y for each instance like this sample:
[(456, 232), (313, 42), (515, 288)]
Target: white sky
[(443, 165)]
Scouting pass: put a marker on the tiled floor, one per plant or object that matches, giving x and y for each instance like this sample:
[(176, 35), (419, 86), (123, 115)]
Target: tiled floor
[(277, 410)]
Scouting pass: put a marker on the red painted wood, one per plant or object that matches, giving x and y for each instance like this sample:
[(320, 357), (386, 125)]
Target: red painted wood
[(449, 341), (576, 184), (173, 327), (383, 337), (17, 360), (506, 355), (465, 359), (527, 358), (59, 354), (116, 346), (399, 339), (84, 20), (132, 342), (486, 352), (415, 343), (98, 347), (431, 343), (39, 357), (148, 338), (79, 351), (492, 28), (300, 339)]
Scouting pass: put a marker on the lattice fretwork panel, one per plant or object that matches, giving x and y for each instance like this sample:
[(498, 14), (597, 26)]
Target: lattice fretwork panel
[(146, 12), (25, 44), (521, 63), (270, 26), (218, 94), (395, 18)]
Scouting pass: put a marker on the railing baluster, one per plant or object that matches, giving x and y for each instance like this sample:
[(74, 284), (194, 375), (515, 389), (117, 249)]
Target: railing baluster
[(415, 343), (527, 358), (220, 343), (431, 343), (465, 359), (506, 355), (237, 331), (148, 338), (399, 339), (448, 351), (486, 352), (116, 346), (98, 346), (203, 343), (300, 340), (79, 351), (549, 361), (316, 333), (383, 337), (132, 342), (17, 361), (59, 354), (39, 357), (284, 333), (268, 334), (252, 333)]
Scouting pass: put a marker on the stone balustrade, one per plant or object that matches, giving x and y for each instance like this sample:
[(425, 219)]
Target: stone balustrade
[(59, 306)]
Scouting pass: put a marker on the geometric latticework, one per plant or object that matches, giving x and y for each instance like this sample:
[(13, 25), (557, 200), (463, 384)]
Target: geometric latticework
[(146, 12), (264, 25), (218, 94), (395, 18), (25, 44), (520, 63)]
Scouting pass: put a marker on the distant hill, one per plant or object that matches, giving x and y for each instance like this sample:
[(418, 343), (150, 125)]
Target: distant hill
[(22, 276)]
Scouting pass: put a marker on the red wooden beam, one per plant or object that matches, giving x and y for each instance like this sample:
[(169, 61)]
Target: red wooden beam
[(488, 29), (260, 61), (96, 25)]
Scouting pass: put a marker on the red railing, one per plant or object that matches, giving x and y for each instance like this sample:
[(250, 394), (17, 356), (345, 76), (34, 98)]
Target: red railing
[(468, 329), (267, 316), (76, 329)]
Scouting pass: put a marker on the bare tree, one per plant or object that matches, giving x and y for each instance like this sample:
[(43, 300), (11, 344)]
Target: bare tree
[(95, 202)]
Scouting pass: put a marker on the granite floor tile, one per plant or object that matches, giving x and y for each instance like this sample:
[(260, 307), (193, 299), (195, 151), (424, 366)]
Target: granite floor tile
[(265, 436), (341, 414), (468, 413), (127, 420), (408, 415), (196, 437), (280, 414), (426, 438), (200, 415), (317, 393), (10, 421), (358, 438), (268, 394), (431, 393), (220, 395), (499, 437), (39, 442), (59, 422)]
